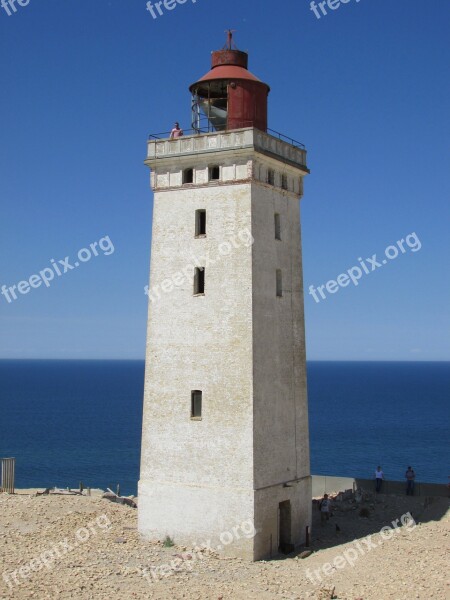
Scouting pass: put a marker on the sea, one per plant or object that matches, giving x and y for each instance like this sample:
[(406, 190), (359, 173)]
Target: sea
[(75, 421)]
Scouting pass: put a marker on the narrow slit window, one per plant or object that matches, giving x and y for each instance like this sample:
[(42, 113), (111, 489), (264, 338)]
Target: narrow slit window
[(199, 280), (270, 176), (196, 404), (279, 277), (188, 176), (284, 182), (200, 222), (277, 227), (214, 173)]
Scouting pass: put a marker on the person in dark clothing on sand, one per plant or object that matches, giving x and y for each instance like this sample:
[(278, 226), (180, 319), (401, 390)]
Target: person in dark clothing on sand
[(410, 476), (379, 476)]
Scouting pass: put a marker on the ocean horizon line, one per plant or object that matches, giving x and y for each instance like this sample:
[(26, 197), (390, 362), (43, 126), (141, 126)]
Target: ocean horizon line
[(311, 360)]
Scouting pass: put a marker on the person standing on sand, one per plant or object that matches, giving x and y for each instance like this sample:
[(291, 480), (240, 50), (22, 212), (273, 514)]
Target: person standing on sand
[(410, 476), (379, 476), (324, 509)]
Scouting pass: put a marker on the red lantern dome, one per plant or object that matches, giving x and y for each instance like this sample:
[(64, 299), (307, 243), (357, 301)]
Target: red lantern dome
[(229, 96)]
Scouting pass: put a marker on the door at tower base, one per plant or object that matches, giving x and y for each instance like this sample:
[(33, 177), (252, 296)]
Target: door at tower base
[(247, 524)]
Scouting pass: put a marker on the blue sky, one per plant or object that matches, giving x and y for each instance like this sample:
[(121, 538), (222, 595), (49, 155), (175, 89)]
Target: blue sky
[(364, 87)]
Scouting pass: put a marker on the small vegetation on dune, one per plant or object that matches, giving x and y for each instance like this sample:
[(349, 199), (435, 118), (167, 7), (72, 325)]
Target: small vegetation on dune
[(168, 542)]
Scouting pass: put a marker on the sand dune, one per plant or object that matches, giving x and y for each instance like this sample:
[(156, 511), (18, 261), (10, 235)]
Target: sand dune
[(88, 548)]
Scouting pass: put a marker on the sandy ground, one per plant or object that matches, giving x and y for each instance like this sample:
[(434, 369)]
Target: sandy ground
[(88, 548)]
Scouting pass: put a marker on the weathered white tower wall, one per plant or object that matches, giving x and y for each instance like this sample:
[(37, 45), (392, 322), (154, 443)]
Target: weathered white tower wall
[(239, 343), (281, 437)]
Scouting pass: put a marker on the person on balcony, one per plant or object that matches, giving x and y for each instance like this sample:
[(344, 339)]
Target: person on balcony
[(176, 132)]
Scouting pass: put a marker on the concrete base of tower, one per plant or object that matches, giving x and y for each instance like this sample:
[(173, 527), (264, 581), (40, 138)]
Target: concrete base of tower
[(218, 518), (282, 515), (250, 524)]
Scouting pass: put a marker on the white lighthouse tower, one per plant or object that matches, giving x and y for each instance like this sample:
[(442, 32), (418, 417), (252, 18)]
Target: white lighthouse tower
[(225, 440)]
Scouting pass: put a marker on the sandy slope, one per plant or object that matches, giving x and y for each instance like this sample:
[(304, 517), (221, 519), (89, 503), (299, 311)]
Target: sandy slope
[(92, 551)]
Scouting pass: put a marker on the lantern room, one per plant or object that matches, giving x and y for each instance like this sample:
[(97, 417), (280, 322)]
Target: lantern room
[(229, 96)]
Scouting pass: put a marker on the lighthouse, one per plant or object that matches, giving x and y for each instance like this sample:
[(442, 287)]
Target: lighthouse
[(225, 441)]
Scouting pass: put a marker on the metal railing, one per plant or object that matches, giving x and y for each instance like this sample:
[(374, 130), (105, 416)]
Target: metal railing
[(166, 134), (8, 473), (284, 138)]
